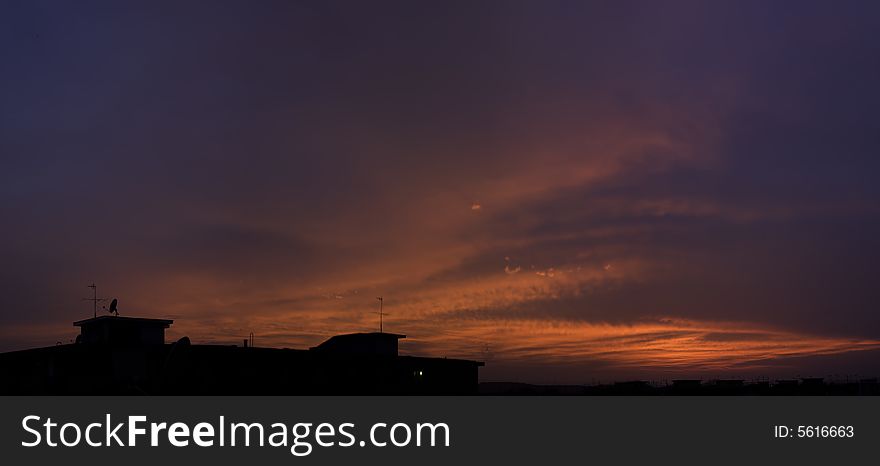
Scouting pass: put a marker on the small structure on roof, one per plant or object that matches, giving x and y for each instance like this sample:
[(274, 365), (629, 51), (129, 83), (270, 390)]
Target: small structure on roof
[(379, 343), (122, 331)]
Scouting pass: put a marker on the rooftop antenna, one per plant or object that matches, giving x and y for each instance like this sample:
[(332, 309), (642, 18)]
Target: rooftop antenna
[(94, 299), (113, 309), (381, 314)]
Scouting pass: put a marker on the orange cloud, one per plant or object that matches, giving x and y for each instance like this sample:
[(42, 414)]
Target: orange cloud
[(686, 345)]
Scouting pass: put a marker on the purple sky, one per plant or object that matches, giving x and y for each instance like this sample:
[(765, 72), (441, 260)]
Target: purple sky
[(570, 191)]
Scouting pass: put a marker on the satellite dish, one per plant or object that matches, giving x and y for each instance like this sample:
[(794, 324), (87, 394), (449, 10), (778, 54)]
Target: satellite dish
[(113, 308)]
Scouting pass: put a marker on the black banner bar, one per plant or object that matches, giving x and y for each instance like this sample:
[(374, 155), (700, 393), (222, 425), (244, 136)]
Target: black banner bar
[(496, 430)]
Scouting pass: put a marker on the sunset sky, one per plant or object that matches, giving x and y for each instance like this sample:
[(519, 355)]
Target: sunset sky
[(570, 191)]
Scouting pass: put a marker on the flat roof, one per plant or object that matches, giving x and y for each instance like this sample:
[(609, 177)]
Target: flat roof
[(382, 334), (134, 320), (359, 338)]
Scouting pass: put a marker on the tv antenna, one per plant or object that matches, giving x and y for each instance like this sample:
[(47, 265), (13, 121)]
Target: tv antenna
[(381, 314), (95, 299)]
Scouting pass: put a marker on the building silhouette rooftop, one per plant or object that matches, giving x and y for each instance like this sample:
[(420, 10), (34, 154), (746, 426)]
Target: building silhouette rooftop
[(122, 331), (379, 343), (119, 355)]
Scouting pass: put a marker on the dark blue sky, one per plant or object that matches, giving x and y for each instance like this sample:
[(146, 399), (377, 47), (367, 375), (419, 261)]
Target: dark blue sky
[(569, 190)]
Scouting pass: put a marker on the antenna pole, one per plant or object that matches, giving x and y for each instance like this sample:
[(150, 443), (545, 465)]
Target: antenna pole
[(94, 299), (381, 302)]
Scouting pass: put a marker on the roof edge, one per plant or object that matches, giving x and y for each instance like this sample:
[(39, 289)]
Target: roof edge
[(165, 322)]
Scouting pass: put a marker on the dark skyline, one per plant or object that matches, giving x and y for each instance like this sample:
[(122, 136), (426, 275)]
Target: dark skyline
[(570, 191)]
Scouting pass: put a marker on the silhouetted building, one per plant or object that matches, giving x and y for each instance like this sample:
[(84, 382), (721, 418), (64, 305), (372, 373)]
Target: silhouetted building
[(869, 387), (633, 387), (686, 386), (726, 386), (785, 387), (812, 386), (363, 343), (122, 331), (123, 355)]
